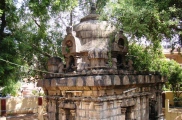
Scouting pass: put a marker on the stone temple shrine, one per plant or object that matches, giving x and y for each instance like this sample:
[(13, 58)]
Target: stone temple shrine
[(97, 83)]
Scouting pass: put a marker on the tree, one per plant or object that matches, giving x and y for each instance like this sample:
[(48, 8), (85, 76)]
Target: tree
[(175, 79), (149, 22), (145, 59), (8, 48), (153, 20), (25, 38)]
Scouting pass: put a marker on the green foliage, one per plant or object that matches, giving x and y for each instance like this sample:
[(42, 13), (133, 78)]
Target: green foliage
[(1, 12), (100, 4), (172, 70), (25, 38), (152, 19), (67, 49), (8, 45), (35, 92), (43, 7), (11, 88), (177, 101), (146, 59), (175, 78)]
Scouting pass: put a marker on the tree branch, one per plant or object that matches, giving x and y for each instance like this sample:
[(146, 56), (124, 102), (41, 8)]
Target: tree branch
[(36, 22), (43, 53)]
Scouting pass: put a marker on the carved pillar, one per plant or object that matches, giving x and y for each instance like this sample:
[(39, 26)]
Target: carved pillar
[(91, 109), (73, 113), (157, 104), (87, 109), (160, 109), (132, 115), (123, 111), (115, 110), (134, 110), (110, 109), (105, 109), (98, 113), (120, 113), (77, 116), (144, 107), (51, 109), (82, 109), (62, 114), (159, 100), (141, 107), (147, 107), (138, 108)]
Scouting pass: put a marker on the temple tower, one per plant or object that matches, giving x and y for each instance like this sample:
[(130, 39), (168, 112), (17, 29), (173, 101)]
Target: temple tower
[(97, 83)]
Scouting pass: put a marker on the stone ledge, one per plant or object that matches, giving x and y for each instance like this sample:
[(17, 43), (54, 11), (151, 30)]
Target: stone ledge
[(23, 117), (88, 73), (101, 80), (103, 98)]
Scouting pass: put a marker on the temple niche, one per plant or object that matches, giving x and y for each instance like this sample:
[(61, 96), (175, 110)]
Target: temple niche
[(96, 82)]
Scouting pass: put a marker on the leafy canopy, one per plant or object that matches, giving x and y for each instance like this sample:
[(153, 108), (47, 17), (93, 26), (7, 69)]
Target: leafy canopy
[(153, 19), (146, 59), (27, 38)]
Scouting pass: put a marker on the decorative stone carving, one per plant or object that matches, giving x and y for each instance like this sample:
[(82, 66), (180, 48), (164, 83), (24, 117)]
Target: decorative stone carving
[(123, 110), (71, 44), (81, 66), (98, 82), (73, 112), (55, 65)]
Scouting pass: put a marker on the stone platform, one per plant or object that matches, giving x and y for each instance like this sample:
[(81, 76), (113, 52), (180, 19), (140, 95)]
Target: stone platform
[(102, 96)]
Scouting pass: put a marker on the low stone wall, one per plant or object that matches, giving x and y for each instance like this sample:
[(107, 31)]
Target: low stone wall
[(23, 117), (17, 106), (172, 113), (169, 95)]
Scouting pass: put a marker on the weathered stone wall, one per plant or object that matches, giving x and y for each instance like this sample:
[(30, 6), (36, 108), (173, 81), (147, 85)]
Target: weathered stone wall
[(88, 109), (98, 80), (103, 103)]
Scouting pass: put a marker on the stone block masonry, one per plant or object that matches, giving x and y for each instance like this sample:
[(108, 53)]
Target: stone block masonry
[(98, 82)]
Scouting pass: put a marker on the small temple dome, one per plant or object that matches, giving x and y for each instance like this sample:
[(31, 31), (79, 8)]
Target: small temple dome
[(94, 33), (94, 29), (91, 27)]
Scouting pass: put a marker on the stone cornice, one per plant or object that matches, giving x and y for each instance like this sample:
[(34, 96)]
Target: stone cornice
[(101, 80)]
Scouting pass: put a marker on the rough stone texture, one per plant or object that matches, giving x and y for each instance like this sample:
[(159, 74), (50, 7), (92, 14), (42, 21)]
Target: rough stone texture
[(23, 117), (97, 82), (101, 80)]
